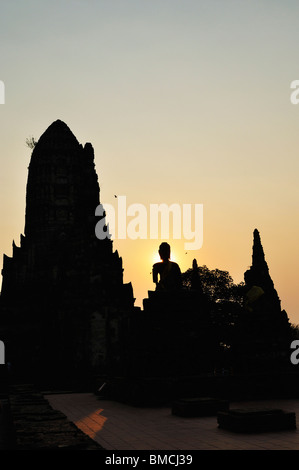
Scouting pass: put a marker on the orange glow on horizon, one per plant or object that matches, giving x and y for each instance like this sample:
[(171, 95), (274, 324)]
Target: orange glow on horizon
[(156, 258)]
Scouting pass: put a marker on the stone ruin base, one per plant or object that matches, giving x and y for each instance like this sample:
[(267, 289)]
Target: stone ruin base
[(30, 423), (255, 421)]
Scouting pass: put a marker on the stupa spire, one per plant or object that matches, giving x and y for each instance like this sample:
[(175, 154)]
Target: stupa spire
[(62, 187), (258, 256)]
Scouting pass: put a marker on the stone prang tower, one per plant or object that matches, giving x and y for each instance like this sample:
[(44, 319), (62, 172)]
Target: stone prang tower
[(62, 289), (264, 332)]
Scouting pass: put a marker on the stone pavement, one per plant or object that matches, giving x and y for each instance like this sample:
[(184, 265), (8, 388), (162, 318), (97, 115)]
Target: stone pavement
[(28, 422), (117, 426)]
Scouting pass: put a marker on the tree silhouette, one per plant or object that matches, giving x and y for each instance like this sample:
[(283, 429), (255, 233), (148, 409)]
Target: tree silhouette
[(216, 284), (31, 142), (226, 301)]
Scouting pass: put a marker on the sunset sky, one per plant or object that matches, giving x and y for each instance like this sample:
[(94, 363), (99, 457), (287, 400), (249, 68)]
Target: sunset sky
[(184, 101)]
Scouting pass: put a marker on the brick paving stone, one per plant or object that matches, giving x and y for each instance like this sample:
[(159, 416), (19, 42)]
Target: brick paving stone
[(37, 426), (117, 426)]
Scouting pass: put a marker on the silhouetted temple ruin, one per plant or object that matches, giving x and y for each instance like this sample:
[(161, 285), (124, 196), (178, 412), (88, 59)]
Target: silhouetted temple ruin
[(263, 333), (62, 286), (65, 312)]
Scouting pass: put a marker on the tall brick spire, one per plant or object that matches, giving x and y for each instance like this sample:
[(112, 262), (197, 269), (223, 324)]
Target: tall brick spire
[(62, 187), (263, 338), (258, 257), (62, 285), (259, 271)]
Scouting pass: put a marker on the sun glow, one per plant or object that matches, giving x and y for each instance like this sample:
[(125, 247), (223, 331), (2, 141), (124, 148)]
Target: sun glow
[(156, 258)]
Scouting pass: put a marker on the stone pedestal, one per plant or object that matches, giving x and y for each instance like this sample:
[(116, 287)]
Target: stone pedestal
[(263, 420)]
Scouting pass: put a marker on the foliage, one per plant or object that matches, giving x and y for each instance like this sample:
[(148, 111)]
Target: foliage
[(294, 331), (31, 142), (216, 284)]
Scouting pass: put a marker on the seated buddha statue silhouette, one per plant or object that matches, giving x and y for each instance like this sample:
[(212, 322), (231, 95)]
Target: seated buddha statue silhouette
[(166, 274)]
